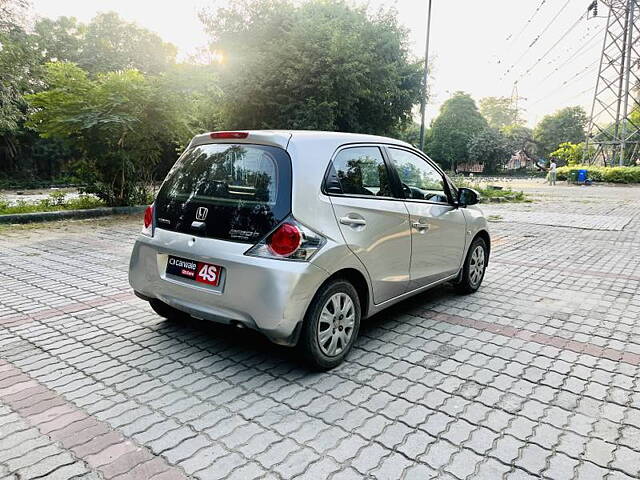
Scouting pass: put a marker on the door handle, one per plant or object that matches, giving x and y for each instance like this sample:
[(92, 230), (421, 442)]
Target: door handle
[(420, 226), (357, 222)]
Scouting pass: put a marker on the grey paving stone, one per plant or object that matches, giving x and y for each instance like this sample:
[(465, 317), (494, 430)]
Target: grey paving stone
[(203, 458), (438, 454), (222, 467), (492, 388), (170, 439)]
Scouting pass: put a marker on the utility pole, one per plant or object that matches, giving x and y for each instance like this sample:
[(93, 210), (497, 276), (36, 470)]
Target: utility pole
[(613, 133), (423, 103)]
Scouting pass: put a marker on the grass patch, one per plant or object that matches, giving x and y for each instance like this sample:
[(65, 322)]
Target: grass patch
[(487, 193), (55, 202), (505, 194)]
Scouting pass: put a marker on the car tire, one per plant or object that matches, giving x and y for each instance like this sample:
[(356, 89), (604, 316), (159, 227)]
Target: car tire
[(166, 311), (331, 325), (474, 267)]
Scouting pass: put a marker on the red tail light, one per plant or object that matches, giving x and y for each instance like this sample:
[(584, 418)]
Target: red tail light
[(148, 221), (285, 240), (148, 216), (229, 134)]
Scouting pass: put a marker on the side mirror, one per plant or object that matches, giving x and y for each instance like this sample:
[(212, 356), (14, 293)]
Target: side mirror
[(468, 196)]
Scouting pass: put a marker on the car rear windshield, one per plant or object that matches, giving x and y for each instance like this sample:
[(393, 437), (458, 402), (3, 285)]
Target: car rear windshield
[(227, 191)]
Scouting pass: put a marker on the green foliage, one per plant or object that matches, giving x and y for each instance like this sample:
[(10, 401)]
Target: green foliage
[(106, 43), (566, 125), (56, 201), (519, 138), (572, 153), (112, 44), (489, 147), (59, 39), (313, 65), (19, 72), (199, 83), (409, 132), (603, 174), (121, 122), (57, 198), (453, 129), (499, 112), (487, 193), (18, 68)]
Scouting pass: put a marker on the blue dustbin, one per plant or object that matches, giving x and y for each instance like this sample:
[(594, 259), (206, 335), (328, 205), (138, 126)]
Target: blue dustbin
[(582, 176)]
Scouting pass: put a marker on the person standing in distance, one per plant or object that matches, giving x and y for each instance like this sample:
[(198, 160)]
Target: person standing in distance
[(553, 172)]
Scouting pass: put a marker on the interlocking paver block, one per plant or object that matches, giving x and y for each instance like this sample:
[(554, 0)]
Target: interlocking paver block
[(536, 373)]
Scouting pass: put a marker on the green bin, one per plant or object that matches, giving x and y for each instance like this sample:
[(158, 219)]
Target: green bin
[(573, 176)]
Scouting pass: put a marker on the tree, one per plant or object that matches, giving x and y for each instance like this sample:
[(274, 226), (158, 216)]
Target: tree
[(19, 66), (319, 64), (409, 132), (121, 122), (112, 44), (572, 153), (499, 112), (490, 148), (12, 12), (566, 125), (452, 130), (60, 39), (519, 138), (107, 42)]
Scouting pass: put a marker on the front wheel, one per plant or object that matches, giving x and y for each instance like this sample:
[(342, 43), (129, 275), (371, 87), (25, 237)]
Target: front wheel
[(331, 325), (474, 267)]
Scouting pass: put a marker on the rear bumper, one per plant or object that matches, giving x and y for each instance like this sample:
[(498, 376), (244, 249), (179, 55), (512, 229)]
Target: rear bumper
[(263, 294)]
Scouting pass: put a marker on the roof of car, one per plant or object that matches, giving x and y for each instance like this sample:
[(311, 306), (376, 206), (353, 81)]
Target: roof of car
[(282, 138)]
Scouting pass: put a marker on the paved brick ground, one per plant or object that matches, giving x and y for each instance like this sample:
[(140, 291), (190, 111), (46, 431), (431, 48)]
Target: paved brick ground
[(534, 376)]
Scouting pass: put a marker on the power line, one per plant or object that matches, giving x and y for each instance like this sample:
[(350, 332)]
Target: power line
[(527, 23), (569, 30), (582, 49), (580, 42), (535, 40), (590, 89), (567, 81)]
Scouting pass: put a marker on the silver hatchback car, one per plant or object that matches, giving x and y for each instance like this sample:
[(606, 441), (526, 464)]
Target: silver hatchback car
[(301, 235)]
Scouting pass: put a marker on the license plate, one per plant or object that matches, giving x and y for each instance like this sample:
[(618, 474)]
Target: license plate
[(198, 271)]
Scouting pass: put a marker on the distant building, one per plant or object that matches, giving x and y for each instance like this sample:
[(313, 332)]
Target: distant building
[(520, 160), (470, 167)]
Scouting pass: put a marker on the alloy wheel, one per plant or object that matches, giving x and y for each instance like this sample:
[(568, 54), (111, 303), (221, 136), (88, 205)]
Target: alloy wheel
[(476, 266), (335, 327)]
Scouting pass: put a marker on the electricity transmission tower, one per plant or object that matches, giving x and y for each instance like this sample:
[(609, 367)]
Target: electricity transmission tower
[(612, 131)]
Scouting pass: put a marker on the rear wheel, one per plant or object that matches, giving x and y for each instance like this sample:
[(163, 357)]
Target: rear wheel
[(474, 267), (166, 311), (331, 325)]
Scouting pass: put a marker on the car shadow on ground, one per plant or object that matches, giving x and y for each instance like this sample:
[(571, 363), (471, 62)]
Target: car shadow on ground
[(228, 340)]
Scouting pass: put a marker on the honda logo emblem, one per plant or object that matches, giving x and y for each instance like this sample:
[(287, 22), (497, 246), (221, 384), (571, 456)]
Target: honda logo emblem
[(201, 213)]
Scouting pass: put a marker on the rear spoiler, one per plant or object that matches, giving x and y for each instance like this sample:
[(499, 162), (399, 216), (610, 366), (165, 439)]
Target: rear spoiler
[(259, 137)]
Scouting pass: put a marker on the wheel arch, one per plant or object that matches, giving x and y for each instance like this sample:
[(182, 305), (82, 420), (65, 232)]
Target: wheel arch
[(359, 282), (487, 239)]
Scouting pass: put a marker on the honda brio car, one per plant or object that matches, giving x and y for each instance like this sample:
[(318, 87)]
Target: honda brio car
[(301, 235)]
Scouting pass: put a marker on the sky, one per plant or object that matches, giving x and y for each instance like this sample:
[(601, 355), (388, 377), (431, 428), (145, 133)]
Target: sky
[(553, 57)]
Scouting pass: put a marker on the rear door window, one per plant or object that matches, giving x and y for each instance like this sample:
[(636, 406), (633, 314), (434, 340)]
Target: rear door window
[(359, 171), (232, 192)]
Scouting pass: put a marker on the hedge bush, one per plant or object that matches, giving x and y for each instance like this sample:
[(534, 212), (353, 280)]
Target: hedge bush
[(603, 174)]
